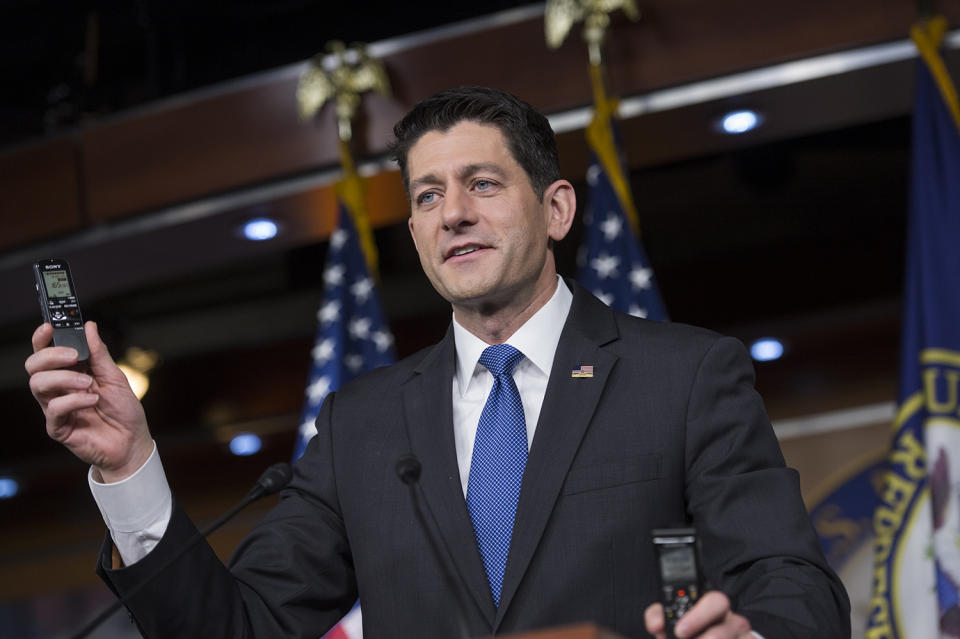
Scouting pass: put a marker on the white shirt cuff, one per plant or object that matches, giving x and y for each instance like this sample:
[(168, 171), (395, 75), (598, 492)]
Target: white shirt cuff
[(137, 509)]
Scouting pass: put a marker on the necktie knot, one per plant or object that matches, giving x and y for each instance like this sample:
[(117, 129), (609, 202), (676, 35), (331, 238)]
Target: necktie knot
[(500, 359)]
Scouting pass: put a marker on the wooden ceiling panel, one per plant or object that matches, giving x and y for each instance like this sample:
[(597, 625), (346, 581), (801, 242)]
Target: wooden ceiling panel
[(249, 133)]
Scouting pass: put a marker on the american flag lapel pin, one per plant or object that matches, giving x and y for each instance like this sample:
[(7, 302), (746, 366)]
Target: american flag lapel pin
[(583, 370)]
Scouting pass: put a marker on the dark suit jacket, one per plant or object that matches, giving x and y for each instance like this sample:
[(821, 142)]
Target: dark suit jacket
[(668, 430)]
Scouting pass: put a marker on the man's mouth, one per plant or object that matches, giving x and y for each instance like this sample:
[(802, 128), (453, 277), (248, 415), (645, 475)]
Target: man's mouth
[(463, 250)]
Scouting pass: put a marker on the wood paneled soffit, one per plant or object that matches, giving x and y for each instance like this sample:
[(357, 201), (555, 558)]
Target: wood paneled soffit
[(246, 133), (41, 185)]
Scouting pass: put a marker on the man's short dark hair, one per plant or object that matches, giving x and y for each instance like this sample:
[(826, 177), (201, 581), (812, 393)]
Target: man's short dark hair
[(528, 134)]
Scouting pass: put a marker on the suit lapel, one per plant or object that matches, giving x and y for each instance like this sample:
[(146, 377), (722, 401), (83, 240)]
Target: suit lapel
[(428, 411), (568, 407)]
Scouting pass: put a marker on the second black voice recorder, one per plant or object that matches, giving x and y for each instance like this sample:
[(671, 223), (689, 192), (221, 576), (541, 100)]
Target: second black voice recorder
[(681, 583)]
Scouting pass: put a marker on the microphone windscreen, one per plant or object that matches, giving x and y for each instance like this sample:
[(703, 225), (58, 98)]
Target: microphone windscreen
[(275, 478)]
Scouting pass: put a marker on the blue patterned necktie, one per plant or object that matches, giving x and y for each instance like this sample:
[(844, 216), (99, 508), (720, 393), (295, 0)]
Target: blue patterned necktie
[(496, 468)]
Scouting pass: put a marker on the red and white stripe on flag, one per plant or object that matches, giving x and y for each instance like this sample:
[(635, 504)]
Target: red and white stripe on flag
[(350, 627)]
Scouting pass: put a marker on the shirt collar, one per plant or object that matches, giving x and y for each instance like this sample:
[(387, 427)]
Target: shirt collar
[(537, 339)]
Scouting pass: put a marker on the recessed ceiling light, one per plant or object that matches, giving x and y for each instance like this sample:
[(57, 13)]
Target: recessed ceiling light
[(260, 229), (737, 122), (245, 444), (8, 487), (766, 349)]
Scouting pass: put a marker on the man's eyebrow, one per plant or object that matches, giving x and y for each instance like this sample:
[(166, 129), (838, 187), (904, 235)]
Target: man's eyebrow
[(465, 172), (424, 180), (481, 167)]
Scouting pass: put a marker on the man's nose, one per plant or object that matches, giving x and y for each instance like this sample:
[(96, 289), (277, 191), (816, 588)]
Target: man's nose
[(458, 209)]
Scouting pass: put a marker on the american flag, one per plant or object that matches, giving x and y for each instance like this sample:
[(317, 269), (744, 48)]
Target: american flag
[(611, 262), (351, 335), (582, 371), (350, 627)]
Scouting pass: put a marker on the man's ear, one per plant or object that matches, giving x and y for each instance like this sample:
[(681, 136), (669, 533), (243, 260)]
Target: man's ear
[(413, 235), (560, 204)]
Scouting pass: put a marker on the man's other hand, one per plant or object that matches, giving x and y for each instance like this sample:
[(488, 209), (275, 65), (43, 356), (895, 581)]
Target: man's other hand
[(710, 618), (96, 415)]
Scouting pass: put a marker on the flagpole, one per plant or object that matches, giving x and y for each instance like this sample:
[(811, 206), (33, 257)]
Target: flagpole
[(559, 17), (612, 263), (350, 190), (600, 134), (927, 35)]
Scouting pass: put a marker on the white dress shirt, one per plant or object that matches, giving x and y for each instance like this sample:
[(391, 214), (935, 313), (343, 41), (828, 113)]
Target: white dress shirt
[(137, 509), (537, 339)]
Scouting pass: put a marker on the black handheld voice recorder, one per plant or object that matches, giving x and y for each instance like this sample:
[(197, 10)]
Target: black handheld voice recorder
[(681, 583), (59, 305)]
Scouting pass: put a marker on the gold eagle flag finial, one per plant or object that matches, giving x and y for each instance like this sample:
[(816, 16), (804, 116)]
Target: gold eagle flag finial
[(353, 73), (561, 15)]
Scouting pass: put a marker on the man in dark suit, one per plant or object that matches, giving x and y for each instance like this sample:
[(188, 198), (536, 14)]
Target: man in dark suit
[(538, 488)]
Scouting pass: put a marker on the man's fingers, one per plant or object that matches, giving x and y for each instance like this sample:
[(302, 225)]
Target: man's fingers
[(50, 358), (60, 408), (59, 381), (709, 610), (710, 618), (654, 620), (101, 363), (738, 625), (98, 350), (51, 383), (733, 626), (42, 336)]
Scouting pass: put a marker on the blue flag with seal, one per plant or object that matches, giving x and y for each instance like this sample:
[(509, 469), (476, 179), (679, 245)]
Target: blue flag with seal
[(842, 514), (611, 262), (916, 570), (352, 336)]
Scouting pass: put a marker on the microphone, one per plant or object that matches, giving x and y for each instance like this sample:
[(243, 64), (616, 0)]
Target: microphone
[(408, 469), (271, 481)]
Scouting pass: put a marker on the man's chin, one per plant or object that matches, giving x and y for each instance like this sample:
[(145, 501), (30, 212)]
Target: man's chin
[(474, 297)]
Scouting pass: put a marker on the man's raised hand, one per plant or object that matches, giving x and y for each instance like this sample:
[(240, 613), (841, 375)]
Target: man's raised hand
[(96, 415)]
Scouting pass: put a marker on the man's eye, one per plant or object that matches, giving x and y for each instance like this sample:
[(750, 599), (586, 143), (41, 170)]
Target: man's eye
[(426, 198), (482, 185)]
